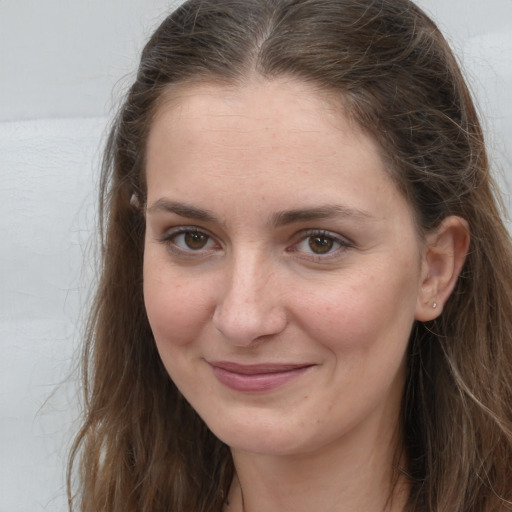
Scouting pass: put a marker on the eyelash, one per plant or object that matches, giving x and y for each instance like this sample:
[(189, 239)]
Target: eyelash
[(304, 237), (169, 239)]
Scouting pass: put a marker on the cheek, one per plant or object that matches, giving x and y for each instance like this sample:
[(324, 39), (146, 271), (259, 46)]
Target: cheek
[(361, 312), (177, 308)]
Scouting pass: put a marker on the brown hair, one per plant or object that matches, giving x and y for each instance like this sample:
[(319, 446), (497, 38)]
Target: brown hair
[(142, 447)]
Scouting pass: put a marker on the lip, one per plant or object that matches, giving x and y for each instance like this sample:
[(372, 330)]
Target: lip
[(256, 378)]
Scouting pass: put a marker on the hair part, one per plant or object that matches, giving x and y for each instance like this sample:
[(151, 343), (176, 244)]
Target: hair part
[(142, 447)]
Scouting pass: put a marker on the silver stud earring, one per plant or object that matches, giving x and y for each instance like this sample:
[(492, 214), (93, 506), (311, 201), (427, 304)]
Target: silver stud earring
[(434, 305)]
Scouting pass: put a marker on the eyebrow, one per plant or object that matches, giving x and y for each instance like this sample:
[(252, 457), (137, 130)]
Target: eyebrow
[(287, 217), (279, 219), (181, 209)]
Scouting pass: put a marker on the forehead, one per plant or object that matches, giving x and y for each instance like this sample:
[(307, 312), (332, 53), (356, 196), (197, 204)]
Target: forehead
[(272, 116), (215, 97), (283, 142)]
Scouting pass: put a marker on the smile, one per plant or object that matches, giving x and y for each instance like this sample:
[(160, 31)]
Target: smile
[(256, 378)]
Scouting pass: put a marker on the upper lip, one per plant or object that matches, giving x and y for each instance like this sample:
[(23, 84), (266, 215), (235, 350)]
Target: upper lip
[(257, 369)]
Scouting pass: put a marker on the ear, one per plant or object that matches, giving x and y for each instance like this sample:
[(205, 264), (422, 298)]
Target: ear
[(444, 255)]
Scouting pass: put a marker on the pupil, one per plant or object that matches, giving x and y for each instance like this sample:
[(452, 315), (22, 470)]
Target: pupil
[(196, 240), (320, 244)]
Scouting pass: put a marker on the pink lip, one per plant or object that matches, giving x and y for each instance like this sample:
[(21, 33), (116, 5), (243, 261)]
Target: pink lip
[(258, 377)]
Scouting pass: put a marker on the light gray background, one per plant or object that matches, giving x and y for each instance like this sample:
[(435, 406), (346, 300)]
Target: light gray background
[(63, 65)]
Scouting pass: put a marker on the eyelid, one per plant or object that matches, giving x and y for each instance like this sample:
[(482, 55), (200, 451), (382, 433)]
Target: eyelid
[(169, 235), (167, 238), (344, 242)]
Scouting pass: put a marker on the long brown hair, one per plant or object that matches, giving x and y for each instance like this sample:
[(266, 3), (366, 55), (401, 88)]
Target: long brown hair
[(141, 446)]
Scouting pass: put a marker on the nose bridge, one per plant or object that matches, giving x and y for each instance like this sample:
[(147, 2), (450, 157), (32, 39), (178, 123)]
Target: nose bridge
[(249, 305)]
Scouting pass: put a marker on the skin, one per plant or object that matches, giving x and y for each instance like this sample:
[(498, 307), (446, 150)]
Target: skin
[(333, 289)]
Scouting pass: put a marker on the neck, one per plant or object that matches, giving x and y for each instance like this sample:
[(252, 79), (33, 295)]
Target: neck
[(341, 477)]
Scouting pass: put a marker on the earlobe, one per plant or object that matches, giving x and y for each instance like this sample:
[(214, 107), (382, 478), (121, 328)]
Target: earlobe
[(443, 258)]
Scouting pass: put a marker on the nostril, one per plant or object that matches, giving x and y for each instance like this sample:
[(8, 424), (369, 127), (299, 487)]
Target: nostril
[(246, 324), (249, 306)]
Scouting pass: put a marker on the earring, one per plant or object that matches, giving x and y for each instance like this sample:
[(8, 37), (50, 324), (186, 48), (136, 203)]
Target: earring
[(434, 306), (134, 201)]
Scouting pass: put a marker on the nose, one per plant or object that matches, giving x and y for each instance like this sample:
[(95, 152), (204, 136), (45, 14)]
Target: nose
[(250, 304)]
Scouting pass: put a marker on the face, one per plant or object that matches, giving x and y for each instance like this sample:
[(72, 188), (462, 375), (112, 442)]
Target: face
[(281, 269)]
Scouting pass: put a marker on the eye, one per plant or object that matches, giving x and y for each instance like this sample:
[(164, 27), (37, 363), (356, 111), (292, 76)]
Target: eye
[(319, 244), (186, 240), (193, 240)]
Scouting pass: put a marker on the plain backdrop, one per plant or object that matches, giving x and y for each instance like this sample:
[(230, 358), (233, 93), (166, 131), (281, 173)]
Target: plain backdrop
[(63, 67)]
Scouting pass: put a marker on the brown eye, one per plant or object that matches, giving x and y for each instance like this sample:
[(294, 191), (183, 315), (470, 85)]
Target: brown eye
[(320, 244), (195, 240), (187, 241)]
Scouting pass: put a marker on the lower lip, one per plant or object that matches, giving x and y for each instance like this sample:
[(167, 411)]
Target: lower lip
[(259, 382)]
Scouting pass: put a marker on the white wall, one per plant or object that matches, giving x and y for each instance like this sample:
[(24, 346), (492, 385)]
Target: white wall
[(59, 62)]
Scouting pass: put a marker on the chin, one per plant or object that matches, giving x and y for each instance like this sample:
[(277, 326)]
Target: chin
[(265, 438), (263, 445)]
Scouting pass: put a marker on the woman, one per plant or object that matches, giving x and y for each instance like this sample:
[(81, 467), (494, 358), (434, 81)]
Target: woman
[(306, 289)]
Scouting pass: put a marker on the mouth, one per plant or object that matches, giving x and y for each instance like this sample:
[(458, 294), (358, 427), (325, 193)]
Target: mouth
[(256, 378)]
